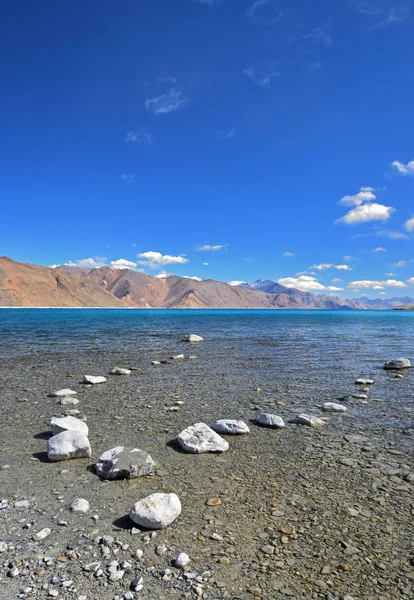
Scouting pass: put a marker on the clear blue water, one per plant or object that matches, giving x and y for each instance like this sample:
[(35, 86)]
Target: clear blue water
[(378, 333)]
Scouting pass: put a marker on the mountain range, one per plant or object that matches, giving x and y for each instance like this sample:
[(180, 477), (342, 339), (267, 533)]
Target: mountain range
[(27, 285)]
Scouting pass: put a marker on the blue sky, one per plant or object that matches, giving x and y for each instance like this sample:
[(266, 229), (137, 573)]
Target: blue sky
[(229, 139)]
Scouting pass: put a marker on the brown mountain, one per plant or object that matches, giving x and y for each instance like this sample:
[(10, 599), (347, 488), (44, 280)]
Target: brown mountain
[(23, 284)]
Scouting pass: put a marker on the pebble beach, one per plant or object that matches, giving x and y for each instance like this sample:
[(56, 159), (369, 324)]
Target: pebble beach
[(296, 511)]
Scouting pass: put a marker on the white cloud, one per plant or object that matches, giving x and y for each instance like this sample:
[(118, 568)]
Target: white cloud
[(263, 74), (320, 34), (336, 280), (163, 275), (324, 266), (288, 254), (410, 281), (206, 264), (265, 12), (379, 249), (127, 177), (409, 225), (365, 194), (209, 248), (166, 103), (194, 277), (123, 263), (392, 235), (367, 212), (140, 138), (227, 134), (88, 263), (304, 283), (400, 263), (236, 283), (404, 169), (154, 260), (376, 285)]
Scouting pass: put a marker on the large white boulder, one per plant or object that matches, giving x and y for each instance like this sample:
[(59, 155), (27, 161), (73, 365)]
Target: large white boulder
[(310, 420), (156, 511), (397, 363), (230, 427), (64, 393), (124, 463), (200, 438), (93, 380), (59, 424), (269, 420), (192, 337), (332, 407), (120, 371), (68, 444)]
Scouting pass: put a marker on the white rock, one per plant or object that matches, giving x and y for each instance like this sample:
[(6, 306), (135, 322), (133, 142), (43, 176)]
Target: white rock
[(182, 560), (155, 362), (80, 505), (269, 420), (63, 393), (178, 357), (43, 534), (124, 463), (93, 380), (59, 424), (230, 426), (192, 337), (68, 444), (397, 363), (22, 504), (310, 420), (68, 400), (332, 407), (362, 381), (3, 546), (359, 396), (200, 438), (119, 371), (156, 511)]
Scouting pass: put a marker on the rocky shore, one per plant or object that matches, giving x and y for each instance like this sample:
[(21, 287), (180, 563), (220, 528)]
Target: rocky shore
[(282, 510)]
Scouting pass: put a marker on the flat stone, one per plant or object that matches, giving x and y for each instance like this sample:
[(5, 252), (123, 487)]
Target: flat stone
[(310, 420), (201, 438), (332, 407), (355, 439), (63, 393), (178, 357), (359, 396), (397, 363), (42, 534), (192, 337), (57, 425), (119, 371), (230, 426), (124, 463), (156, 511), (93, 380), (69, 400), (80, 505), (362, 381), (67, 445), (269, 420)]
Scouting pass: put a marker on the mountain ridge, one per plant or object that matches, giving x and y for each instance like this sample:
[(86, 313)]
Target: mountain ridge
[(27, 285)]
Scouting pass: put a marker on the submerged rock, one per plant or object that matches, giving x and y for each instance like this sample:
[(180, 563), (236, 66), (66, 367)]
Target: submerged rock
[(269, 420), (67, 445), (59, 424), (156, 511), (230, 426), (64, 393), (201, 438), (93, 380), (333, 407), (397, 363), (119, 371), (310, 420), (124, 463), (192, 337)]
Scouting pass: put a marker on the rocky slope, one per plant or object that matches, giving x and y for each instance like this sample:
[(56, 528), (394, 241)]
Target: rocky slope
[(23, 284)]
